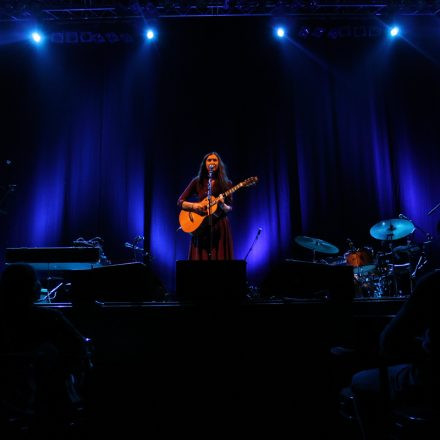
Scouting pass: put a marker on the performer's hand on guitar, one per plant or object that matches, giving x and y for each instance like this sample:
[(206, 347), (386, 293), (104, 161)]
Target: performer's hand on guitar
[(221, 203), (200, 208)]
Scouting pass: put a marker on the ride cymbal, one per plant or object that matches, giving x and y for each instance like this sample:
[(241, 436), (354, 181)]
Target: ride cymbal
[(392, 229), (315, 244)]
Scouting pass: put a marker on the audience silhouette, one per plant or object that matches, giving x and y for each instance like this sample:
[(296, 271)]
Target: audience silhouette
[(45, 359), (406, 348)]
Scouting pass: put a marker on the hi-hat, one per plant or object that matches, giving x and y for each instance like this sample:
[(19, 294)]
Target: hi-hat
[(392, 229), (315, 244)]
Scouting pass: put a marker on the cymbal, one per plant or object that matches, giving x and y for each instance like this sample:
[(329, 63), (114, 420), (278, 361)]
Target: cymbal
[(315, 244), (392, 229)]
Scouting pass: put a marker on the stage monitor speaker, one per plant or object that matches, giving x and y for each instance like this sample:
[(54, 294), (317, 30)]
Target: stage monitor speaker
[(215, 280), (308, 280), (128, 282)]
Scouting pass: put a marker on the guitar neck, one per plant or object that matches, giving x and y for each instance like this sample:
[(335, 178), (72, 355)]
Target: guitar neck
[(233, 189)]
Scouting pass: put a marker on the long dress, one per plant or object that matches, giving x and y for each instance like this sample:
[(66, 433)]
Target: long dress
[(222, 245)]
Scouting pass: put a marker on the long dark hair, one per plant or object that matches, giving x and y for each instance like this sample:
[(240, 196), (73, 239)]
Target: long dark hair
[(222, 179)]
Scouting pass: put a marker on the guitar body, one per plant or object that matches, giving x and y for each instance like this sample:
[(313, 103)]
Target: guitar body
[(190, 221)]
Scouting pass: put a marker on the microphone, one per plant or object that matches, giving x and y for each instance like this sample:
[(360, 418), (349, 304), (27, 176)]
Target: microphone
[(259, 231), (211, 167), (403, 217)]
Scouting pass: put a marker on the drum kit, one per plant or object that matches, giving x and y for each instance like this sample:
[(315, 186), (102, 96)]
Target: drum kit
[(390, 272)]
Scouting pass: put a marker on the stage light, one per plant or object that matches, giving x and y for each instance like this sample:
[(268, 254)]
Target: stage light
[(394, 31), (150, 34), (280, 32), (36, 37)]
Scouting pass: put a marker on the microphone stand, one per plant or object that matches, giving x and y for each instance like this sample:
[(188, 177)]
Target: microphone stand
[(423, 258), (209, 211), (427, 234), (434, 209), (253, 243)]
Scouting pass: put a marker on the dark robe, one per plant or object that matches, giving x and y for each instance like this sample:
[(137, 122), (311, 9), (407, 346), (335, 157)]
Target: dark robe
[(222, 246)]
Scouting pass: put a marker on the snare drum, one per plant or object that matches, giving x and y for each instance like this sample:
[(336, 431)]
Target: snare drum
[(360, 257)]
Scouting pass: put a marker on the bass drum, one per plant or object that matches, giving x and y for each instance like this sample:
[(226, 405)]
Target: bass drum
[(368, 285)]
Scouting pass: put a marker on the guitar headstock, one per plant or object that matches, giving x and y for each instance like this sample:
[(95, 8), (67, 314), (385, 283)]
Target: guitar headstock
[(250, 181)]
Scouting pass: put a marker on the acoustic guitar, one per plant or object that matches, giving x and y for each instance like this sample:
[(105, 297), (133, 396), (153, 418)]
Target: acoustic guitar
[(190, 221)]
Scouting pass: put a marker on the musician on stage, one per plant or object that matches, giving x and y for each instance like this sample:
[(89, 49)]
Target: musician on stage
[(212, 240)]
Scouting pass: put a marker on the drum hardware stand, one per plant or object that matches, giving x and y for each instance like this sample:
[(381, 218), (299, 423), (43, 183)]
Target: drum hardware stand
[(391, 267), (314, 260), (420, 263), (427, 234), (423, 260), (314, 253)]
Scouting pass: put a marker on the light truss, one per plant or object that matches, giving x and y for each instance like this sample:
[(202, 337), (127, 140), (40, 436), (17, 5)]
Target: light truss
[(129, 10)]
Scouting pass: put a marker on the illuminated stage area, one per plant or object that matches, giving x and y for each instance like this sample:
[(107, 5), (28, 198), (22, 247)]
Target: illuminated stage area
[(100, 139)]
